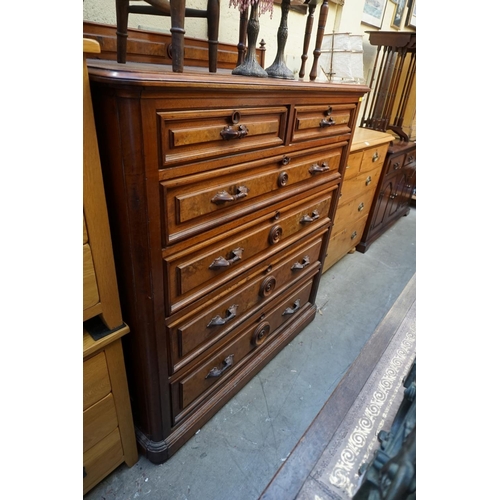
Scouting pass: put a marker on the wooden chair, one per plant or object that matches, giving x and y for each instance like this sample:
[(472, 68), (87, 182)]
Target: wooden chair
[(177, 11)]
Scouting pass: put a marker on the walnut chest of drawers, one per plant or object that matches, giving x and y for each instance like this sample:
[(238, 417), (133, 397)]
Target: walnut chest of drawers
[(221, 192), (362, 173)]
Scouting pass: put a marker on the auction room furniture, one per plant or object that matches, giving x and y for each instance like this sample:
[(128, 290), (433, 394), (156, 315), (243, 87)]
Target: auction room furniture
[(108, 430), (177, 11), (361, 176), (221, 192), (389, 107)]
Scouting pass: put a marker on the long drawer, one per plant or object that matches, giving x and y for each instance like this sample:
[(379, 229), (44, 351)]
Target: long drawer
[(363, 183), (196, 203), (195, 272), (189, 388), (188, 136), (353, 209), (190, 335)]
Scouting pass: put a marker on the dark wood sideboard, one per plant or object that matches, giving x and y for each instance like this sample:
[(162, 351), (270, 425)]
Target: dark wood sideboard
[(221, 193)]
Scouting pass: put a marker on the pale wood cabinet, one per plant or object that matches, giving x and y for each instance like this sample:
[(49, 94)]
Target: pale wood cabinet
[(221, 191), (363, 169), (108, 431)]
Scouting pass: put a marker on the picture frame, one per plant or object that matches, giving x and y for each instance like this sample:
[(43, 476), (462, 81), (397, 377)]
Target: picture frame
[(411, 17), (397, 18), (373, 12)]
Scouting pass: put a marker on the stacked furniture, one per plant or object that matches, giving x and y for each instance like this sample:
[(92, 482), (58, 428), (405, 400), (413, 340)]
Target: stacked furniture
[(221, 194), (108, 431), (361, 177)]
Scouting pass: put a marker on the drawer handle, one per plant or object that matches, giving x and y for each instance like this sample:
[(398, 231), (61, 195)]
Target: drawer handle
[(292, 310), (308, 218), (298, 265), (392, 196), (410, 159), (319, 169), (375, 156), (353, 235), (368, 180), (327, 122), (396, 165), (361, 206), (222, 262), (260, 333), (223, 196), (286, 160), (217, 320), (228, 133), (275, 234), (267, 287), (217, 372)]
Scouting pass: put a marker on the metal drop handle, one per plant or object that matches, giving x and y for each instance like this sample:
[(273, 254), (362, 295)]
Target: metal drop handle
[(315, 169), (229, 133), (292, 310), (217, 372), (327, 122), (353, 235), (217, 320), (375, 156), (222, 262), (361, 206), (368, 180), (223, 196), (310, 218), (299, 265)]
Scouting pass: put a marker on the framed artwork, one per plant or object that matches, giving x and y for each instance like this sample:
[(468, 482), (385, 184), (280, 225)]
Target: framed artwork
[(373, 12), (411, 18), (397, 19)]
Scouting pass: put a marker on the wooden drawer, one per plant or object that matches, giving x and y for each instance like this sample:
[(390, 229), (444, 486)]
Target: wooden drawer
[(344, 241), (189, 388), (373, 158), (101, 459), (395, 164), (411, 158), (353, 210), (363, 183), (90, 290), (96, 383), (197, 203), (195, 272), (191, 334), (353, 165), (98, 421), (322, 121), (188, 136)]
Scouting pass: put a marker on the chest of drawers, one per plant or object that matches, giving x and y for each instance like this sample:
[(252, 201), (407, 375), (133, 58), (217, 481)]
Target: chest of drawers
[(221, 193), (362, 173)]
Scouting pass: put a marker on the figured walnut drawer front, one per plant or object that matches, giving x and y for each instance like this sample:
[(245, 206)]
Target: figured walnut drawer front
[(217, 263), (188, 136), (320, 121), (363, 183), (194, 333), (90, 290), (98, 421), (373, 157), (200, 202), (101, 459), (353, 165), (227, 361), (353, 209), (96, 383)]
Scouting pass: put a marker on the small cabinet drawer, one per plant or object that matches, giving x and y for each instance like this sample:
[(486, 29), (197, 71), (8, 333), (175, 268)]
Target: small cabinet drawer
[(188, 136), (411, 158), (90, 290), (211, 373), (193, 333), (361, 184), (196, 203), (320, 121), (373, 157), (98, 421), (208, 267), (96, 383), (395, 164), (353, 165)]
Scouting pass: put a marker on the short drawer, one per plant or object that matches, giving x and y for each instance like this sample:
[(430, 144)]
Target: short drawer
[(101, 459), (352, 210), (410, 158), (196, 272), (96, 383), (196, 203), (396, 163), (188, 136), (98, 421), (90, 289), (191, 334), (353, 165), (320, 121), (373, 157), (363, 183), (191, 387)]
